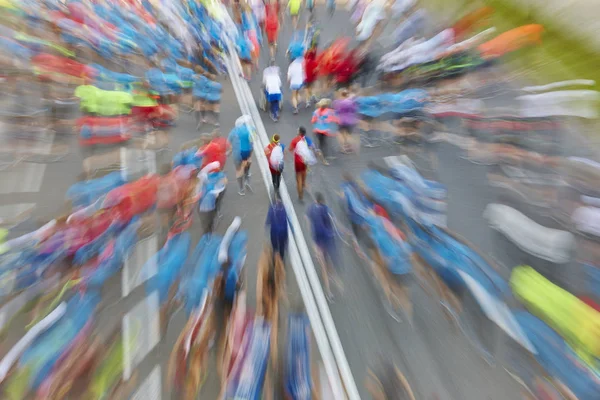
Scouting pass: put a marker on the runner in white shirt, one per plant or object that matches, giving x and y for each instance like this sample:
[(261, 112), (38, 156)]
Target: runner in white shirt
[(272, 87), (296, 78)]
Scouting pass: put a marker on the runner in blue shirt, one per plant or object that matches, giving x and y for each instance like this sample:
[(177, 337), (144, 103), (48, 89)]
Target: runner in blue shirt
[(296, 47), (277, 222), (323, 233), (240, 140)]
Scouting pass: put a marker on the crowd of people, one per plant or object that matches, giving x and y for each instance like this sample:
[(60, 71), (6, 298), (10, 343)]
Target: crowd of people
[(395, 214)]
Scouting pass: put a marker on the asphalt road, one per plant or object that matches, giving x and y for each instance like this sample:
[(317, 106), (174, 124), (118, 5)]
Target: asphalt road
[(439, 362)]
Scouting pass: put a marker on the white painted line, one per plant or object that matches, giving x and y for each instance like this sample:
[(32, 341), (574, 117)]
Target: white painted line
[(304, 269), (141, 333), (151, 387), (22, 178), (10, 212), (142, 253)]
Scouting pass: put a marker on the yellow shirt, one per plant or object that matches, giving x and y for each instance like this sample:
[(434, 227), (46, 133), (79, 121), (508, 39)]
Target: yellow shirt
[(294, 6)]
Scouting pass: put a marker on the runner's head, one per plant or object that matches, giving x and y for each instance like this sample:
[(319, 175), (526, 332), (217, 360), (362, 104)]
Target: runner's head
[(302, 131), (216, 133), (324, 103), (319, 198)]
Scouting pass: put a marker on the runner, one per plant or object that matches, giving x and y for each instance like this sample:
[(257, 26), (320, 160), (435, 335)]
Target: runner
[(311, 68), (323, 121), (387, 382), (272, 27), (296, 47), (272, 87), (240, 141), (331, 7), (312, 33), (294, 8), (244, 47), (310, 6), (207, 98), (323, 233), (277, 222), (346, 108), (215, 150), (296, 78), (236, 9), (346, 69), (303, 157), (258, 8), (275, 159)]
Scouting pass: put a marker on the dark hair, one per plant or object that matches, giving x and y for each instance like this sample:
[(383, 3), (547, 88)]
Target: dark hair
[(272, 63), (302, 131), (319, 198)]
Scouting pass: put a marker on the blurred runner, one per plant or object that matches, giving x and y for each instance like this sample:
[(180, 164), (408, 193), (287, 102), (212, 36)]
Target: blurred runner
[(272, 87), (387, 382), (296, 47), (296, 77), (346, 111), (236, 10), (311, 70), (323, 234), (312, 33), (294, 8), (324, 120), (301, 148), (275, 154), (244, 47), (331, 7), (259, 10), (272, 26), (346, 69), (215, 150), (367, 62), (240, 141), (277, 222), (310, 6)]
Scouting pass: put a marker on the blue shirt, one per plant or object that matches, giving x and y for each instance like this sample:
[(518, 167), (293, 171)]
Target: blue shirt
[(277, 219), (322, 224), (243, 137), (296, 49)]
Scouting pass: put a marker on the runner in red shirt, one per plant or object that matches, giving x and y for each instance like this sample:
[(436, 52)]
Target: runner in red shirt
[(272, 26), (311, 69), (215, 150), (299, 164), (275, 174), (346, 70)]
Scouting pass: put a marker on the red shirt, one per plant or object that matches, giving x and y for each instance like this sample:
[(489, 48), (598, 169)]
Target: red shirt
[(268, 151), (216, 150), (299, 164), (345, 69), (271, 23), (311, 66)]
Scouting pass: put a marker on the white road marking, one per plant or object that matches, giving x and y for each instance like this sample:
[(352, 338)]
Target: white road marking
[(22, 178), (151, 387), (142, 253), (141, 333)]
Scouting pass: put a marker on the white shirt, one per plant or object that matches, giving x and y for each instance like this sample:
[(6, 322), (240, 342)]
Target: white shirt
[(271, 80), (296, 73)]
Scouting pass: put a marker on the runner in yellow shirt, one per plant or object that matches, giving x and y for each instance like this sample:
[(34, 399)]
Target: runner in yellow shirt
[(294, 7)]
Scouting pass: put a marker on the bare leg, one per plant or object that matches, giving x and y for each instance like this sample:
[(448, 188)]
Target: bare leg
[(295, 99)]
